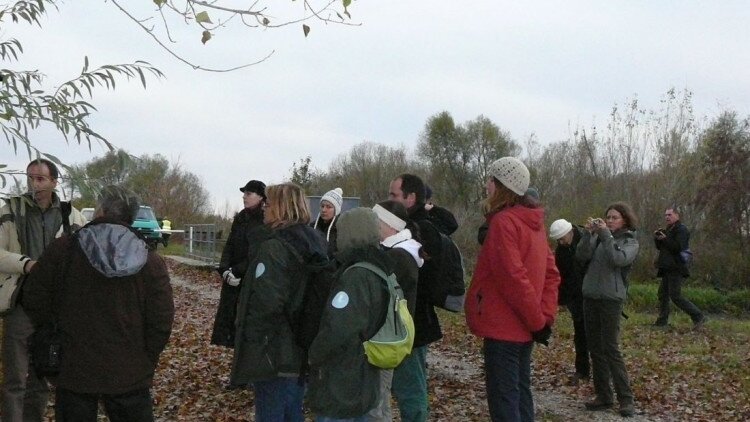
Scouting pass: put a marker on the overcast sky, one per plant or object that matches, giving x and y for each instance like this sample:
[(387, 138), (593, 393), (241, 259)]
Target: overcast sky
[(531, 67)]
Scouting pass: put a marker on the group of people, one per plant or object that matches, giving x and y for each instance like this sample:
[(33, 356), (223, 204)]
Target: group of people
[(111, 298), (594, 261), (98, 285)]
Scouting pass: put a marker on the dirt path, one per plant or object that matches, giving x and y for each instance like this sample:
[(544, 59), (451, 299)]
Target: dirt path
[(457, 383)]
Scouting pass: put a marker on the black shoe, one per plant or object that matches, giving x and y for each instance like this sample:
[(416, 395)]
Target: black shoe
[(597, 404), (577, 378), (627, 410), (697, 325), (659, 325)]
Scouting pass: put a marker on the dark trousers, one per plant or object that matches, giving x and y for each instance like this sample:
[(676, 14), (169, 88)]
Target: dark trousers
[(602, 319), (671, 288), (507, 367), (135, 406), (279, 400), (579, 337)]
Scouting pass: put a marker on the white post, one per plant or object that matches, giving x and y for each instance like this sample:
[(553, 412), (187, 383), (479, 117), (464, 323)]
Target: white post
[(190, 247)]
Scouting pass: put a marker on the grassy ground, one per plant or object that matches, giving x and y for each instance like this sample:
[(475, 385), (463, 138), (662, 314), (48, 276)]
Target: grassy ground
[(677, 374)]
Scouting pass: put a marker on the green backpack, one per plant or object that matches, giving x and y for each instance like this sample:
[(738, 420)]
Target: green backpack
[(394, 340)]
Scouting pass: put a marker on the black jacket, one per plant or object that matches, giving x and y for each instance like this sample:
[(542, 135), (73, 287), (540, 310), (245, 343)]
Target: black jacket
[(265, 347), (677, 240), (426, 323), (571, 270), (235, 251), (242, 245)]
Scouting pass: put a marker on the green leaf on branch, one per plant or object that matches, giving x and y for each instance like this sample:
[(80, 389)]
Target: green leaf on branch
[(206, 36), (266, 21), (202, 17), (305, 29), (160, 3), (347, 3)]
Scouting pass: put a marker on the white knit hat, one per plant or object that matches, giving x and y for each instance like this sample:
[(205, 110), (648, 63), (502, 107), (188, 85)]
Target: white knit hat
[(512, 173), (335, 198), (559, 228)]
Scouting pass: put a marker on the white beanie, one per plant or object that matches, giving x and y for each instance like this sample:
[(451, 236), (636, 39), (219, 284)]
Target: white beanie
[(335, 198), (512, 173), (559, 228)]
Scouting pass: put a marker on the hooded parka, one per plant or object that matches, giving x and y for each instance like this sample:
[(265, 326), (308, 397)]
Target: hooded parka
[(264, 346)]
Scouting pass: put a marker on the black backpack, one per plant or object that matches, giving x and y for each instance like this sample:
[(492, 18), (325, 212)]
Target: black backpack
[(306, 308), (448, 290)]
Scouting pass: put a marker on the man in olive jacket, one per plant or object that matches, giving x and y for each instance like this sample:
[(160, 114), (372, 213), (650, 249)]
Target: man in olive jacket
[(672, 269), (112, 300), (28, 224)]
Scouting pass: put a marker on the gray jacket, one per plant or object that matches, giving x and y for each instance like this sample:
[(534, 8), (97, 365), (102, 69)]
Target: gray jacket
[(611, 255)]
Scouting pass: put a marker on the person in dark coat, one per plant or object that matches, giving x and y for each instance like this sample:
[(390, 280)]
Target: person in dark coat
[(266, 353), (671, 242), (238, 252), (409, 190), (570, 294), (330, 209), (343, 384), (113, 303)]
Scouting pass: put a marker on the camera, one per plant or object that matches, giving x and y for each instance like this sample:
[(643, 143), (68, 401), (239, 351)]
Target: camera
[(596, 222)]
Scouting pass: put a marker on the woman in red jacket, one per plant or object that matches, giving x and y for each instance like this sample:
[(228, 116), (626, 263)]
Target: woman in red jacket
[(512, 300)]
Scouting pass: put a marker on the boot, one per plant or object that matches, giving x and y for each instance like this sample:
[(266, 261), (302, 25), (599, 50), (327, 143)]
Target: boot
[(598, 404), (627, 409)]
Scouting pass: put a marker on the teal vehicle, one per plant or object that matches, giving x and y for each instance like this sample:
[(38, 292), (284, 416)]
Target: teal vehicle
[(145, 222)]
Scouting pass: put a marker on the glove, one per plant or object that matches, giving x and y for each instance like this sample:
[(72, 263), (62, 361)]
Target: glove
[(542, 336), (230, 279)]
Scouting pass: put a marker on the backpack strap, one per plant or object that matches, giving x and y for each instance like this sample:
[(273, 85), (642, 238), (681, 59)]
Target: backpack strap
[(390, 283)]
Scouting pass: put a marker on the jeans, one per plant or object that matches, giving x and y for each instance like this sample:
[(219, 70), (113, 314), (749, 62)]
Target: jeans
[(603, 334), (410, 386), (507, 368), (671, 288), (279, 400), (135, 406), (24, 395), (583, 366)]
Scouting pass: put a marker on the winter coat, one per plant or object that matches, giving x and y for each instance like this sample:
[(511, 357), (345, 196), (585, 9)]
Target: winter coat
[(114, 306), (571, 270), (610, 255), (242, 245), (264, 344), (235, 253), (38, 229), (426, 323), (677, 240), (514, 288), (404, 252), (328, 230), (343, 384)]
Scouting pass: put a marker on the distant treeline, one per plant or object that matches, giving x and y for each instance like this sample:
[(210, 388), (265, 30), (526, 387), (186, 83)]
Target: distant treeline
[(652, 159)]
